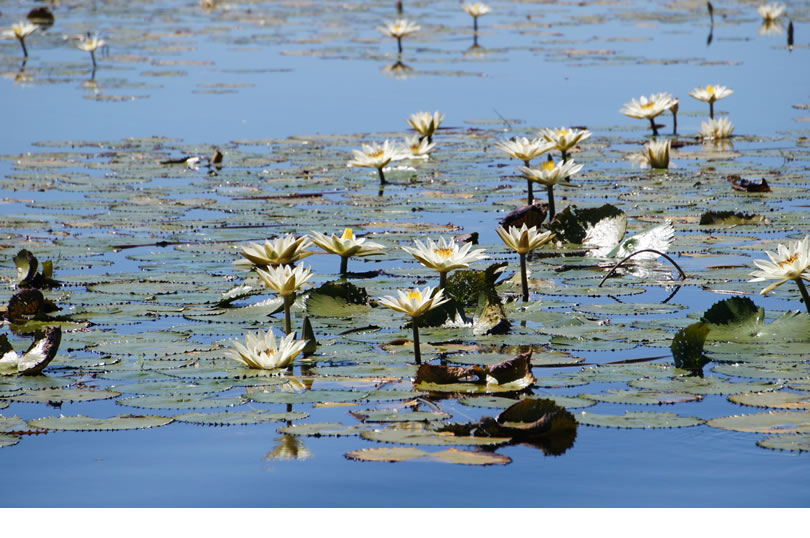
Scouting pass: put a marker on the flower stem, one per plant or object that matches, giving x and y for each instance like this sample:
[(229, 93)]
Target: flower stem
[(711, 109), (524, 280), (287, 322), (564, 155), (382, 176), (25, 50), (804, 293), (654, 128), (475, 24), (550, 191), (399, 45), (93, 57), (674, 124), (530, 196), (442, 280), (344, 265), (417, 353)]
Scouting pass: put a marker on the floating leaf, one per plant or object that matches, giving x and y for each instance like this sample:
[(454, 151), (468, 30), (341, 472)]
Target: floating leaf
[(729, 218), (417, 437), (772, 422), (323, 429), (12, 424), (700, 385), (387, 454), (798, 442), (174, 401), (777, 400), (239, 418), (65, 395), (638, 419), (310, 396), (8, 440), (83, 423), (642, 397)]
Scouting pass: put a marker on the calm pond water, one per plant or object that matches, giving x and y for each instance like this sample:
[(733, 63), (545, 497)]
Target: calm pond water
[(81, 176)]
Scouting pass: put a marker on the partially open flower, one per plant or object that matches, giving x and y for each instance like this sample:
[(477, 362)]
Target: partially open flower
[(716, 129), (564, 138), (419, 148), (414, 302), (285, 280), (20, 31), (771, 12), (476, 9), (375, 155), (523, 240), (346, 246), (444, 256), (262, 352), (426, 123), (524, 149), (280, 251), (789, 262), (654, 155), (550, 173)]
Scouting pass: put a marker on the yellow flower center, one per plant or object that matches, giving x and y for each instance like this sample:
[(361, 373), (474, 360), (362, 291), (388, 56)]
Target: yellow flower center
[(790, 261), (549, 165), (648, 105), (414, 294), (376, 154), (347, 234), (562, 133), (443, 252)]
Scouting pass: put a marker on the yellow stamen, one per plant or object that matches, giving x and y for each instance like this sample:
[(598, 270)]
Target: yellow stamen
[(414, 294), (443, 252), (347, 234), (710, 90), (790, 261), (549, 165)]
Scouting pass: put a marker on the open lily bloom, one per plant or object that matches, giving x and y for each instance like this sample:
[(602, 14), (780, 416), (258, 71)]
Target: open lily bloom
[(524, 149), (399, 28), (262, 352), (564, 138), (414, 302), (771, 12), (711, 93), (346, 246), (419, 148), (716, 129), (551, 173), (445, 256), (285, 280), (654, 155), (280, 251), (89, 43), (647, 108), (374, 155), (789, 262), (426, 123), (523, 240), (476, 9), (20, 31)]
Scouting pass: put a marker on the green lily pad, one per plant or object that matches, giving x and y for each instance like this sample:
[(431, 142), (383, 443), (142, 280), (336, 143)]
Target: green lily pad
[(700, 385), (799, 442), (796, 370), (776, 400), (12, 424), (8, 440), (83, 423), (323, 429), (310, 396), (416, 437), (240, 418), (65, 395), (383, 415), (642, 397), (451, 455), (174, 401), (638, 419), (772, 422)]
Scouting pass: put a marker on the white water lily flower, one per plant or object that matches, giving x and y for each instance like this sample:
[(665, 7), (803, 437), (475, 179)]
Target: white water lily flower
[(375, 155), (414, 302), (445, 256), (716, 129), (647, 108), (399, 28), (564, 138), (418, 148), (89, 43), (551, 173), (262, 352), (20, 30), (771, 12), (789, 262), (285, 280), (523, 239), (476, 9), (458, 322), (524, 149), (426, 123), (346, 245), (280, 251), (654, 155), (711, 93)]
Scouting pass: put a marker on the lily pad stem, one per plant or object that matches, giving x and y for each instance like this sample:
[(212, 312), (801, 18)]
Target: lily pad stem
[(804, 293), (416, 352), (678, 267), (524, 281)]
